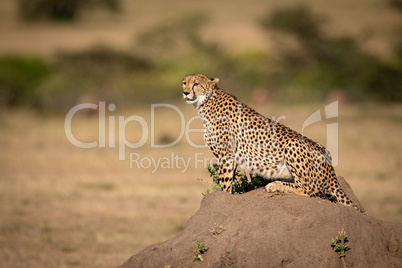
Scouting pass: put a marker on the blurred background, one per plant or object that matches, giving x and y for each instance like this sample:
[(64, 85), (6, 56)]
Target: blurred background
[(62, 206)]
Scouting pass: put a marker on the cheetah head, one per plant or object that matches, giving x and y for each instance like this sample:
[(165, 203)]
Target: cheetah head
[(197, 88)]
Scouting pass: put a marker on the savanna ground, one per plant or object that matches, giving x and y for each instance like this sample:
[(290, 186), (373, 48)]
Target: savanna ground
[(63, 206), (66, 206)]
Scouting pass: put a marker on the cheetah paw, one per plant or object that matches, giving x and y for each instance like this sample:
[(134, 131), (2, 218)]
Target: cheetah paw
[(275, 187)]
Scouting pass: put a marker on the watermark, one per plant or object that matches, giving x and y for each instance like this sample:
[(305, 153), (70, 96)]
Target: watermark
[(146, 130), (108, 122), (173, 161)]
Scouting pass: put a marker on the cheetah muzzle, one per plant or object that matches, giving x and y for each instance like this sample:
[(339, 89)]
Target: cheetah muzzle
[(239, 136)]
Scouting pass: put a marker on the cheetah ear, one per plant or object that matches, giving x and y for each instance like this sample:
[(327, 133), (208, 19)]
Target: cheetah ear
[(215, 80)]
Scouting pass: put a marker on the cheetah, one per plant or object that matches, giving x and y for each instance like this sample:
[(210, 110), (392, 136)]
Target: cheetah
[(239, 136)]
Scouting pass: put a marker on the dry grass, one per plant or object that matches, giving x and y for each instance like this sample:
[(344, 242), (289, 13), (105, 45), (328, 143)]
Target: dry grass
[(63, 206)]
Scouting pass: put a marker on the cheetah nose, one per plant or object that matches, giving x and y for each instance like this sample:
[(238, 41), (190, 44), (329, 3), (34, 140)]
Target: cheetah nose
[(186, 93)]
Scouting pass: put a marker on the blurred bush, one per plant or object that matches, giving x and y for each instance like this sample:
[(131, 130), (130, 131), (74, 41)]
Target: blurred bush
[(61, 10), (20, 78), (176, 37), (321, 63), (178, 42), (101, 72), (100, 61), (310, 64), (178, 48), (396, 4), (298, 21)]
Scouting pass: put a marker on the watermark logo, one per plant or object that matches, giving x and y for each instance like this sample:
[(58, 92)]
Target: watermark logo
[(147, 130), (172, 161), (331, 111)]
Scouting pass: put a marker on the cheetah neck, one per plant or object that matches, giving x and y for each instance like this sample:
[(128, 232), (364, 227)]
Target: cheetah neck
[(207, 102)]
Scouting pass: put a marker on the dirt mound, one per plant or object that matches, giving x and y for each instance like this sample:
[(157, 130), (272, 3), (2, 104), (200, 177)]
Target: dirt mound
[(255, 230)]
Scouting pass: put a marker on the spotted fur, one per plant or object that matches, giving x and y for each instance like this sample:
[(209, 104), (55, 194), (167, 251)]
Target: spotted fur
[(239, 136)]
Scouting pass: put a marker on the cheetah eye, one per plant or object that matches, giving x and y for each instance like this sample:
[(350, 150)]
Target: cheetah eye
[(184, 83), (195, 84)]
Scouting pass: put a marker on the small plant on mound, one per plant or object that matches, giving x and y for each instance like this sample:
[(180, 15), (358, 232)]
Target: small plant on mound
[(241, 183), (340, 245), (213, 172), (200, 248)]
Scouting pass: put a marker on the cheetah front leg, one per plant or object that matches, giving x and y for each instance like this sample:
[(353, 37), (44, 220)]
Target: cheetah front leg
[(226, 173)]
